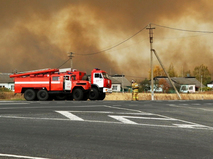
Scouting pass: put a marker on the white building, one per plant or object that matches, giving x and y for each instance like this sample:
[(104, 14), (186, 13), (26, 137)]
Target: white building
[(120, 83), (6, 81), (210, 85)]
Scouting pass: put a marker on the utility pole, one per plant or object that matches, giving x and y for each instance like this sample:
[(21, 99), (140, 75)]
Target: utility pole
[(151, 56), (166, 73), (122, 83), (71, 55)]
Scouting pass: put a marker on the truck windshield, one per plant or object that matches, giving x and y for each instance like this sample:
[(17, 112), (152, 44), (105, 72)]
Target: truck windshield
[(105, 75)]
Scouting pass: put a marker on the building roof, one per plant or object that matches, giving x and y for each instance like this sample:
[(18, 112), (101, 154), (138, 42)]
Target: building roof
[(4, 78), (114, 81), (120, 79), (210, 82), (181, 81), (186, 80)]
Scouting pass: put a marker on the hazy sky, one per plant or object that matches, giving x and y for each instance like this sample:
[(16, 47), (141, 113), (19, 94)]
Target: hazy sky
[(38, 34)]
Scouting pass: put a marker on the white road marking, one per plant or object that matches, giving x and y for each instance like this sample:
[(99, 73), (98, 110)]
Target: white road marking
[(52, 106), (70, 115), (123, 108), (173, 105), (12, 103), (126, 121), (122, 119), (18, 156), (189, 126)]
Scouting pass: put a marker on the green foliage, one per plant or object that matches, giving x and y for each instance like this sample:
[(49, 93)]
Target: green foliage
[(144, 85), (5, 89), (202, 73), (207, 89)]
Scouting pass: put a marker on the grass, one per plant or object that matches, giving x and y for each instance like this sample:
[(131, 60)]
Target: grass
[(10, 96), (160, 96), (128, 96)]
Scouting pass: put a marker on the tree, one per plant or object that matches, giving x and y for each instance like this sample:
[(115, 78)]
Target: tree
[(164, 85), (202, 73), (157, 71), (144, 85), (186, 73), (171, 71)]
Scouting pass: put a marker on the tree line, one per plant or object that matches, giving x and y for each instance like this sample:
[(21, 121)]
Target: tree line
[(201, 73)]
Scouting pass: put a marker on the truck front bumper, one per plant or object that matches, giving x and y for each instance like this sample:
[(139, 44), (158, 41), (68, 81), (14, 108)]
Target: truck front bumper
[(109, 90)]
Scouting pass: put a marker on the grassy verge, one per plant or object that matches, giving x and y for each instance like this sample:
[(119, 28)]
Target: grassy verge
[(160, 96), (128, 96), (10, 96)]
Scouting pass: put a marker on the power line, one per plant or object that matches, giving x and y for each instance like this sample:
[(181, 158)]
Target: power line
[(114, 45), (63, 63), (194, 31)]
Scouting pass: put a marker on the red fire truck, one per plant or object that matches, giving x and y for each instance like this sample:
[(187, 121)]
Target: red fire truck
[(61, 84), (100, 82), (51, 84)]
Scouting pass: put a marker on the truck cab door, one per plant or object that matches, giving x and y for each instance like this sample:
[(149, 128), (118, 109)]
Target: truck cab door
[(67, 83), (98, 79)]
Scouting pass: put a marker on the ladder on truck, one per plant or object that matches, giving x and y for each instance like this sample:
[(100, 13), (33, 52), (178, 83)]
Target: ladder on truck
[(34, 73)]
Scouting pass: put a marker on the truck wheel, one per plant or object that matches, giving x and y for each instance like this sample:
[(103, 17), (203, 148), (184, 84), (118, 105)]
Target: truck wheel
[(102, 96), (78, 94), (93, 94), (29, 95), (42, 95)]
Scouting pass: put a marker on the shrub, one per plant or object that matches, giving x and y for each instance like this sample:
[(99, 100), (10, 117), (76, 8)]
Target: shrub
[(5, 89), (206, 89)]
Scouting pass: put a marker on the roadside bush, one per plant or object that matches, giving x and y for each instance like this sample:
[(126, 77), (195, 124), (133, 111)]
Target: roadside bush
[(5, 89), (206, 89), (2, 95)]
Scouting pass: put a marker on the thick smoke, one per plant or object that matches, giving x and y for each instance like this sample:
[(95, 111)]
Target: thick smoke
[(38, 34)]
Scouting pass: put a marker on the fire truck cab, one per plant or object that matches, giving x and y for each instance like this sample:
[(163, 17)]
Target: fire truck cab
[(50, 84), (99, 80), (100, 83)]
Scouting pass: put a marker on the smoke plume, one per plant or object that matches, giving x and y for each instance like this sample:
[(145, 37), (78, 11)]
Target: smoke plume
[(38, 34)]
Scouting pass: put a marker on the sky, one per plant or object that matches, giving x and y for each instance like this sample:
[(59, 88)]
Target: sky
[(39, 34)]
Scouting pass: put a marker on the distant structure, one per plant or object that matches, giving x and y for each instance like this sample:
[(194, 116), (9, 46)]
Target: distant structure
[(120, 83)]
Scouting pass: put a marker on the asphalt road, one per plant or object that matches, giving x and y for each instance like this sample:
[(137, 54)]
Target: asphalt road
[(106, 129)]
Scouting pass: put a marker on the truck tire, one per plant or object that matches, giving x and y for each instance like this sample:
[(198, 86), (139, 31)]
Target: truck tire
[(102, 96), (78, 94), (30, 95), (42, 95), (93, 94)]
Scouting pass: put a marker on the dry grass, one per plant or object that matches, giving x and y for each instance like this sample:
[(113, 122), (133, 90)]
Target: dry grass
[(160, 96), (10, 96), (128, 96)]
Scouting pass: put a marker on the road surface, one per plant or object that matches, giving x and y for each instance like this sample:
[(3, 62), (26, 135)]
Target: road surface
[(106, 129)]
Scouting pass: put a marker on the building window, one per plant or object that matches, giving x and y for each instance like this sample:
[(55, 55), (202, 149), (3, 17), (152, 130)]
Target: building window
[(114, 88), (12, 87)]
